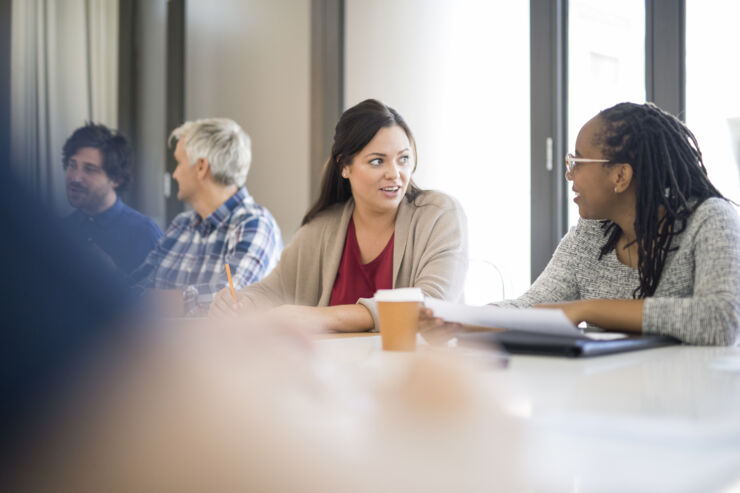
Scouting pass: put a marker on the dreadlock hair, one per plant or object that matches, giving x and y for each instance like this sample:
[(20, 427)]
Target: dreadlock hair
[(668, 171)]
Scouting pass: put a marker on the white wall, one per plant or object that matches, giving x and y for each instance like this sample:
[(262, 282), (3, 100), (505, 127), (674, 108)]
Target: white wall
[(249, 60), (712, 96), (458, 71)]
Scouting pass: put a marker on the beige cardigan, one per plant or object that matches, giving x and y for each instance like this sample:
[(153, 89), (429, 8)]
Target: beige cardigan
[(430, 251)]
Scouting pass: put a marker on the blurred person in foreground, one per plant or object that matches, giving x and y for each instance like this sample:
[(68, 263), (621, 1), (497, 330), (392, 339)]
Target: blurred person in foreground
[(97, 164), (225, 225), (60, 304), (95, 399)]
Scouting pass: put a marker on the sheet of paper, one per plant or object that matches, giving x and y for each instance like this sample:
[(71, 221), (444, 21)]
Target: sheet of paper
[(604, 336), (540, 320)]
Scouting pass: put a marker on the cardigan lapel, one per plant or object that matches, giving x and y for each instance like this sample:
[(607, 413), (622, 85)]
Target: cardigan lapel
[(335, 248), (333, 254), (401, 236)]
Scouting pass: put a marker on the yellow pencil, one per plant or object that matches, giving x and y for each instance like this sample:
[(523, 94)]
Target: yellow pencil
[(231, 283)]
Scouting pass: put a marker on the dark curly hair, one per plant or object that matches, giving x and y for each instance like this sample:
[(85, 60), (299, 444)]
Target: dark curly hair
[(117, 153), (668, 171)]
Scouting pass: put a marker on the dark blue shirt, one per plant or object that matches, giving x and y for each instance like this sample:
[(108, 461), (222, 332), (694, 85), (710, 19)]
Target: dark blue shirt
[(126, 235)]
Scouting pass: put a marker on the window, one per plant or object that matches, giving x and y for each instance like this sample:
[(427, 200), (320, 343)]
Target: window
[(713, 89), (606, 62)]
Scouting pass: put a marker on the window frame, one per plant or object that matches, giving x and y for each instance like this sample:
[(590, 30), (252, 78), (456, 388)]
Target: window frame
[(665, 85)]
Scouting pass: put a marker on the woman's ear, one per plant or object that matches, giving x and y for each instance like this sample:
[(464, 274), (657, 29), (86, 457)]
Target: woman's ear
[(622, 177)]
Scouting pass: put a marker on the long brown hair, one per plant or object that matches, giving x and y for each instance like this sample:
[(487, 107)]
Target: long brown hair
[(356, 128)]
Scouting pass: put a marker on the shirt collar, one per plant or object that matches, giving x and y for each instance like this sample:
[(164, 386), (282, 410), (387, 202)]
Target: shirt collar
[(222, 214)]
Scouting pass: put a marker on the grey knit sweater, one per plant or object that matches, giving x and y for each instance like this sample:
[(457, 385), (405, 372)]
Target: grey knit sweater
[(698, 296)]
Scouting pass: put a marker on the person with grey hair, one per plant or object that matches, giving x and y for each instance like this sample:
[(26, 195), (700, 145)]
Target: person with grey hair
[(226, 225)]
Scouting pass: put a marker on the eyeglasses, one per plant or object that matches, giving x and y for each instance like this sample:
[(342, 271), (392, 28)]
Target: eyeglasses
[(571, 161)]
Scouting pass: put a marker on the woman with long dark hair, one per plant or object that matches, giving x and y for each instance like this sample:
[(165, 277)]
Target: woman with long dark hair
[(657, 249), (371, 228)]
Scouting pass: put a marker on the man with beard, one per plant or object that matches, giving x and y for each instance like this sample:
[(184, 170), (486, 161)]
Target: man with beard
[(98, 163)]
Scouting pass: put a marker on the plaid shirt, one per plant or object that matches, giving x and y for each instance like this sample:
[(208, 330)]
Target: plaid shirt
[(193, 251)]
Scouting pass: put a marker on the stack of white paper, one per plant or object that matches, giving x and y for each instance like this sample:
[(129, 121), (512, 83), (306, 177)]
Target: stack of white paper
[(540, 320)]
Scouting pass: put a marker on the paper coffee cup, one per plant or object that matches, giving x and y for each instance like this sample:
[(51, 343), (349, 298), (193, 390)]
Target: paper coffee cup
[(398, 317)]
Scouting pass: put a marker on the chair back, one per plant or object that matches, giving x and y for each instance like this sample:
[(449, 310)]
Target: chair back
[(484, 282)]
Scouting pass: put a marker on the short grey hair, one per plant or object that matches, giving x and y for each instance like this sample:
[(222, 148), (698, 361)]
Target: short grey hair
[(222, 142)]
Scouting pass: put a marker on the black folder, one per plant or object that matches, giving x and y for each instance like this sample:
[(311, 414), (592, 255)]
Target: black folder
[(520, 342)]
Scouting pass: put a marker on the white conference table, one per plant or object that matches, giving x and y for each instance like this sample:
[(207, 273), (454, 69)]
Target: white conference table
[(665, 419)]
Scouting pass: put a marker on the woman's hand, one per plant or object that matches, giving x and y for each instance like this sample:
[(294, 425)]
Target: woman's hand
[(619, 315), (297, 318), (574, 310), (315, 319), (223, 304), (434, 329)]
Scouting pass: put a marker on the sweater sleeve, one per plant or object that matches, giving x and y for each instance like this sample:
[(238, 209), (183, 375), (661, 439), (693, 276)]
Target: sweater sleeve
[(444, 261), (710, 316), (558, 282)]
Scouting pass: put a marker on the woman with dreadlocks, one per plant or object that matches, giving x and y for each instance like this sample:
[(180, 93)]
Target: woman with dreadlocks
[(658, 247)]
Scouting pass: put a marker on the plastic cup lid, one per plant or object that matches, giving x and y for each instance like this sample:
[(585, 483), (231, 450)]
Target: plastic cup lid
[(401, 294)]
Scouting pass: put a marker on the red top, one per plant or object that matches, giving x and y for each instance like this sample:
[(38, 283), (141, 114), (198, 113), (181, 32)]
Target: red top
[(357, 280)]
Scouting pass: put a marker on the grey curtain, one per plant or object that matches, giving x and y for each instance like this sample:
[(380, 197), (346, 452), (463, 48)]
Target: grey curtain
[(64, 71)]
